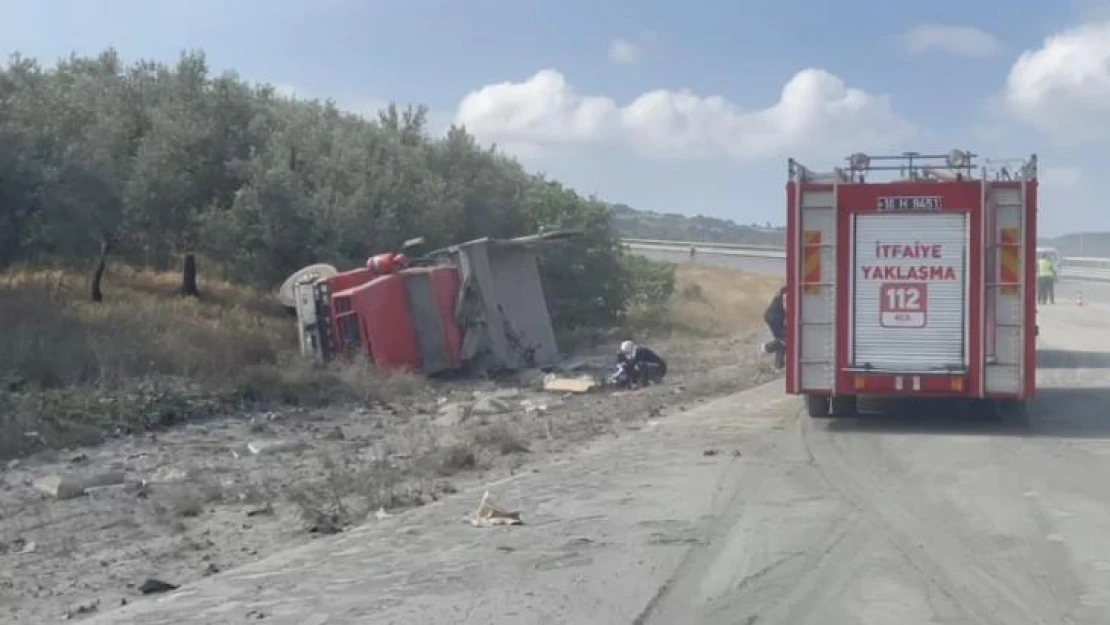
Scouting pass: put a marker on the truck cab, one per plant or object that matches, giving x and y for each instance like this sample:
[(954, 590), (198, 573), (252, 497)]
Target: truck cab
[(913, 276)]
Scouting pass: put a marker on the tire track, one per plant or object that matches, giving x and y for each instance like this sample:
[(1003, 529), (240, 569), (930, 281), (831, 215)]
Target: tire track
[(794, 583), (941, 559)]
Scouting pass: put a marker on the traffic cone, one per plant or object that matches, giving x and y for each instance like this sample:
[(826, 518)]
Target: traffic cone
[(1079, 298)]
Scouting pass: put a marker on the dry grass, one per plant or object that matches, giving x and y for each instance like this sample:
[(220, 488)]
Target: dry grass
[(717, 302), (73, 370), (707, 302)]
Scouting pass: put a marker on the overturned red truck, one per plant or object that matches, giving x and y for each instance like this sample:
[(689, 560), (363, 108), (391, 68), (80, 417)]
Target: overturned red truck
[(478, 304), (918, 286)]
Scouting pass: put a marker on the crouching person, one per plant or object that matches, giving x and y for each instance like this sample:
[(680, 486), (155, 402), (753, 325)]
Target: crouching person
[(639, 366)]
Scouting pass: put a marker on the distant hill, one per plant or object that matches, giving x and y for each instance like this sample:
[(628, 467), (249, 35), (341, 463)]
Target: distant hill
[(637, 224), (1090, 244)]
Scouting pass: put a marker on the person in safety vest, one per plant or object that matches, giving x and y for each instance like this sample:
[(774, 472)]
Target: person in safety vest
[(1046, 280), (775, 318)]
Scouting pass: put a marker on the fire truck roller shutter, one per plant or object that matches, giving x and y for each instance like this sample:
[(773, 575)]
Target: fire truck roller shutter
[(910, 283)]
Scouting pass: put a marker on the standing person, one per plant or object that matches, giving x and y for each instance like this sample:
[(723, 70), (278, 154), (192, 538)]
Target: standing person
[(775, 318), (1055, 276), (1046, 276)]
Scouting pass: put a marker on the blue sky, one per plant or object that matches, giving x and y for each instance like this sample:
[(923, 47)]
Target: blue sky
[(664, 105)]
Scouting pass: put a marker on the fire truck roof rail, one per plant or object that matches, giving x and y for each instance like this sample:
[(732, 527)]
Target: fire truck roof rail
[(918, 167), (1011, 168)]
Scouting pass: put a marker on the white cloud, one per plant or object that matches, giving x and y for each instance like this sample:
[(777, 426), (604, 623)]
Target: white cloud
[(816, 113), (958, 40), (1063, 87), (623, 52)]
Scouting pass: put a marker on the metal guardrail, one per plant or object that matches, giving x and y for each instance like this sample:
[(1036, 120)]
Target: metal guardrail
[(1071, 267)]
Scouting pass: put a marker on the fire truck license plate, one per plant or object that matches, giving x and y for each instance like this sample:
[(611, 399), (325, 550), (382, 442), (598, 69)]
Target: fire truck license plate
[(910, 203), (903, 305)]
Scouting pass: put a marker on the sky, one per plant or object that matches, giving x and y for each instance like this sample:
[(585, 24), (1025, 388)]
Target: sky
[(687, 107)]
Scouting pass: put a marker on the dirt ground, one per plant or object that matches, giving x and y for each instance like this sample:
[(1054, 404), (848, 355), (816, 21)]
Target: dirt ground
[(197, 499)]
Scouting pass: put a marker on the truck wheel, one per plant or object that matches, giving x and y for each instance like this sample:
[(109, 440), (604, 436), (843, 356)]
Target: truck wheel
[(817, 406), (844, 406)]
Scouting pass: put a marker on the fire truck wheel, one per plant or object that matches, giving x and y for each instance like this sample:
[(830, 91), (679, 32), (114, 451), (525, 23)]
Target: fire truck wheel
[(818, 406), (844, 406)]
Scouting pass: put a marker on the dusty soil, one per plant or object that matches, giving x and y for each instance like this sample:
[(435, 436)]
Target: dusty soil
[(197, 500)]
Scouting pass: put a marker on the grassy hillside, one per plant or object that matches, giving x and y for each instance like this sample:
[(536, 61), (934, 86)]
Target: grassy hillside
[(1096, 244), (76, 372)]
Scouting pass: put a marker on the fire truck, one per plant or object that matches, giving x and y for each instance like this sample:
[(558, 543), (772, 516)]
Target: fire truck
[(912, 276)]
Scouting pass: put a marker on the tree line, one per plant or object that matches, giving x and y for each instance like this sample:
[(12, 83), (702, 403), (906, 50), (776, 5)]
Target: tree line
[(166, 165)]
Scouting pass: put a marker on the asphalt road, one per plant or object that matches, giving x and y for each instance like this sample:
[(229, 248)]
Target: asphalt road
[(743, 511)]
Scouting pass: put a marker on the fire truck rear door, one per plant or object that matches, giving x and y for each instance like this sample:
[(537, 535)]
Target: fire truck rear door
[(909, 309)]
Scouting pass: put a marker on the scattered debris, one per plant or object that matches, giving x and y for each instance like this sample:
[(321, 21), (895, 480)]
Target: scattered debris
[(264, 510), (70, 487), (261, 447), (452, 414), (710, 452), (167, 475), (83, 609), (490, 514), (540, 404), (569, 384), (326, 524), (488, 406), (155, 586), (245, 507)]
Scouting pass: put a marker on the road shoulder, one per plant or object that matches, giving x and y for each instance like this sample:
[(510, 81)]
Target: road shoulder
[(604, 531)]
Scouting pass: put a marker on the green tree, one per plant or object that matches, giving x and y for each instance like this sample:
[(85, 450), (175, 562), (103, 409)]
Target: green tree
[(158, 164)]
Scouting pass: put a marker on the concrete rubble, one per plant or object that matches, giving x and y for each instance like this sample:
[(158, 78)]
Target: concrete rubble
[(73, 486)]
